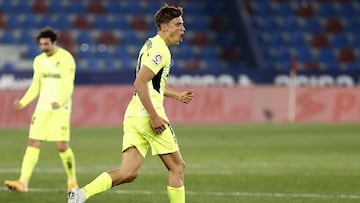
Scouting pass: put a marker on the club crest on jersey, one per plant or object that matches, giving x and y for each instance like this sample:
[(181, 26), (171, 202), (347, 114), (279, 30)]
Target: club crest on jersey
[(157, 59)]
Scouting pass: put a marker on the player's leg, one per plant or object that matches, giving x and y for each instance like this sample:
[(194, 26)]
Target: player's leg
[(127, 172), (68, 159), (29, 162), (176, 167)]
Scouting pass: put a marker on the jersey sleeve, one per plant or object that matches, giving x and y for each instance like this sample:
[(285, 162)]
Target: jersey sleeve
[(67, 80), (154, 59), (34, 89)]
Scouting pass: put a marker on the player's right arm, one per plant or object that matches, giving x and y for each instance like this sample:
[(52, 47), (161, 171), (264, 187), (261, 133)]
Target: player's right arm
[(141, 84), (32, 92)]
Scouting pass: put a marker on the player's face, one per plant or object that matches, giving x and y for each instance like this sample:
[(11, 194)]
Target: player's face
[(47, 46), (175, 30)]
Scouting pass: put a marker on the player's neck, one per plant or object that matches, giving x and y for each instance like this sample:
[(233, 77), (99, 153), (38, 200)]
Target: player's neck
[(164, 37)]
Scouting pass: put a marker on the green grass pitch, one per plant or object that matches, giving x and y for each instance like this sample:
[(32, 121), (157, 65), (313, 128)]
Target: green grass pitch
[(257, 163)]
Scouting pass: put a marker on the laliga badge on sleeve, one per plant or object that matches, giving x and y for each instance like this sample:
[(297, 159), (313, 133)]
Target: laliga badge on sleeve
[(157, 59)]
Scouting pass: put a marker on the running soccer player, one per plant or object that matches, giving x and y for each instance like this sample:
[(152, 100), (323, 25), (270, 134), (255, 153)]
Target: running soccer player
[(145, 121), (53, 83)]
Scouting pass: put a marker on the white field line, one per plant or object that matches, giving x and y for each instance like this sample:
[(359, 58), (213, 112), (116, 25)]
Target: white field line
[(224, 194)]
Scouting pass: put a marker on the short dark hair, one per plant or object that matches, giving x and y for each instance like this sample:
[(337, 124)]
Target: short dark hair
[(166, 13), (47, 33)]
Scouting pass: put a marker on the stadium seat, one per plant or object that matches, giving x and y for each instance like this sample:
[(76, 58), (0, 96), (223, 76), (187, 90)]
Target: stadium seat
[(284, 10), (340, 41), (81, 22), (326, 10), (101, 23), (39, 7), (2, 21), (347, 55), (304, 55), (312, 25), (139, 23), (319, 40), (8, 37), (113, 7), (107, 38), (76, 7), (305, 10), (13, 21), (333, 25), (26, 38), (95, 8), (200, 39), (346, 10)]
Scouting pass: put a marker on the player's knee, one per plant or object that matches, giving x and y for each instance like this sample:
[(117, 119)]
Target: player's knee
[(131, 176), (179, 168)]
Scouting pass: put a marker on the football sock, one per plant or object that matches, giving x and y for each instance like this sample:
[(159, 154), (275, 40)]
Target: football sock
[(100, 184), (176, 195), (68, 160), (28, 164)]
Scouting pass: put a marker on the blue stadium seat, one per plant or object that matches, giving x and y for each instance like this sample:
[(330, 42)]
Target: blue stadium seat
[(282, 53), (62, 23), (8, 37), (7, 7), (304, 54), (340, 41), (101, 23), (284, 10), (32, 51), (13, 21), (208, 53), (84, 37), (352, 24), (129, 38), (263, 9), (119, 22), (326, 10), (276, 38), (29, 21), (296, 39), (290, 24), (56, 7), (269, 24), (113, 7), (185, 52), (26, 37), (45, 21), (327, 57), (312, 25), (347, 10), (76, 7), (23, 7)]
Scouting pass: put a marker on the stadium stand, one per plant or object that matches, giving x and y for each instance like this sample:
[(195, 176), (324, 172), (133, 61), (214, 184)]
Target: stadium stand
[(86, 25), (321, 34)]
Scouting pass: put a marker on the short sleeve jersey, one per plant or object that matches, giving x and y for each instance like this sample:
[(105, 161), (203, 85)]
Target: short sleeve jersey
[(156, 56)]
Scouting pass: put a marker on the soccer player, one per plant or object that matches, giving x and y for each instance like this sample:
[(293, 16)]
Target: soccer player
[(145, 121), (53, 83)]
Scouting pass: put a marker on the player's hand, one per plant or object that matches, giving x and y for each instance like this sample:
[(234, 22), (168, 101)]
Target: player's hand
[(55, 105), (158, 124), (186, 96), (17, 105)]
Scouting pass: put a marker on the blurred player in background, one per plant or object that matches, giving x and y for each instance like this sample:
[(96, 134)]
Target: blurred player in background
[(145, 123), (53, 83)]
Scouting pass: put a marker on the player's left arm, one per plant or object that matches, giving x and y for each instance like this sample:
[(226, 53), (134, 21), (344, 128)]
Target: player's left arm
[(184, 96), (67, 82)]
